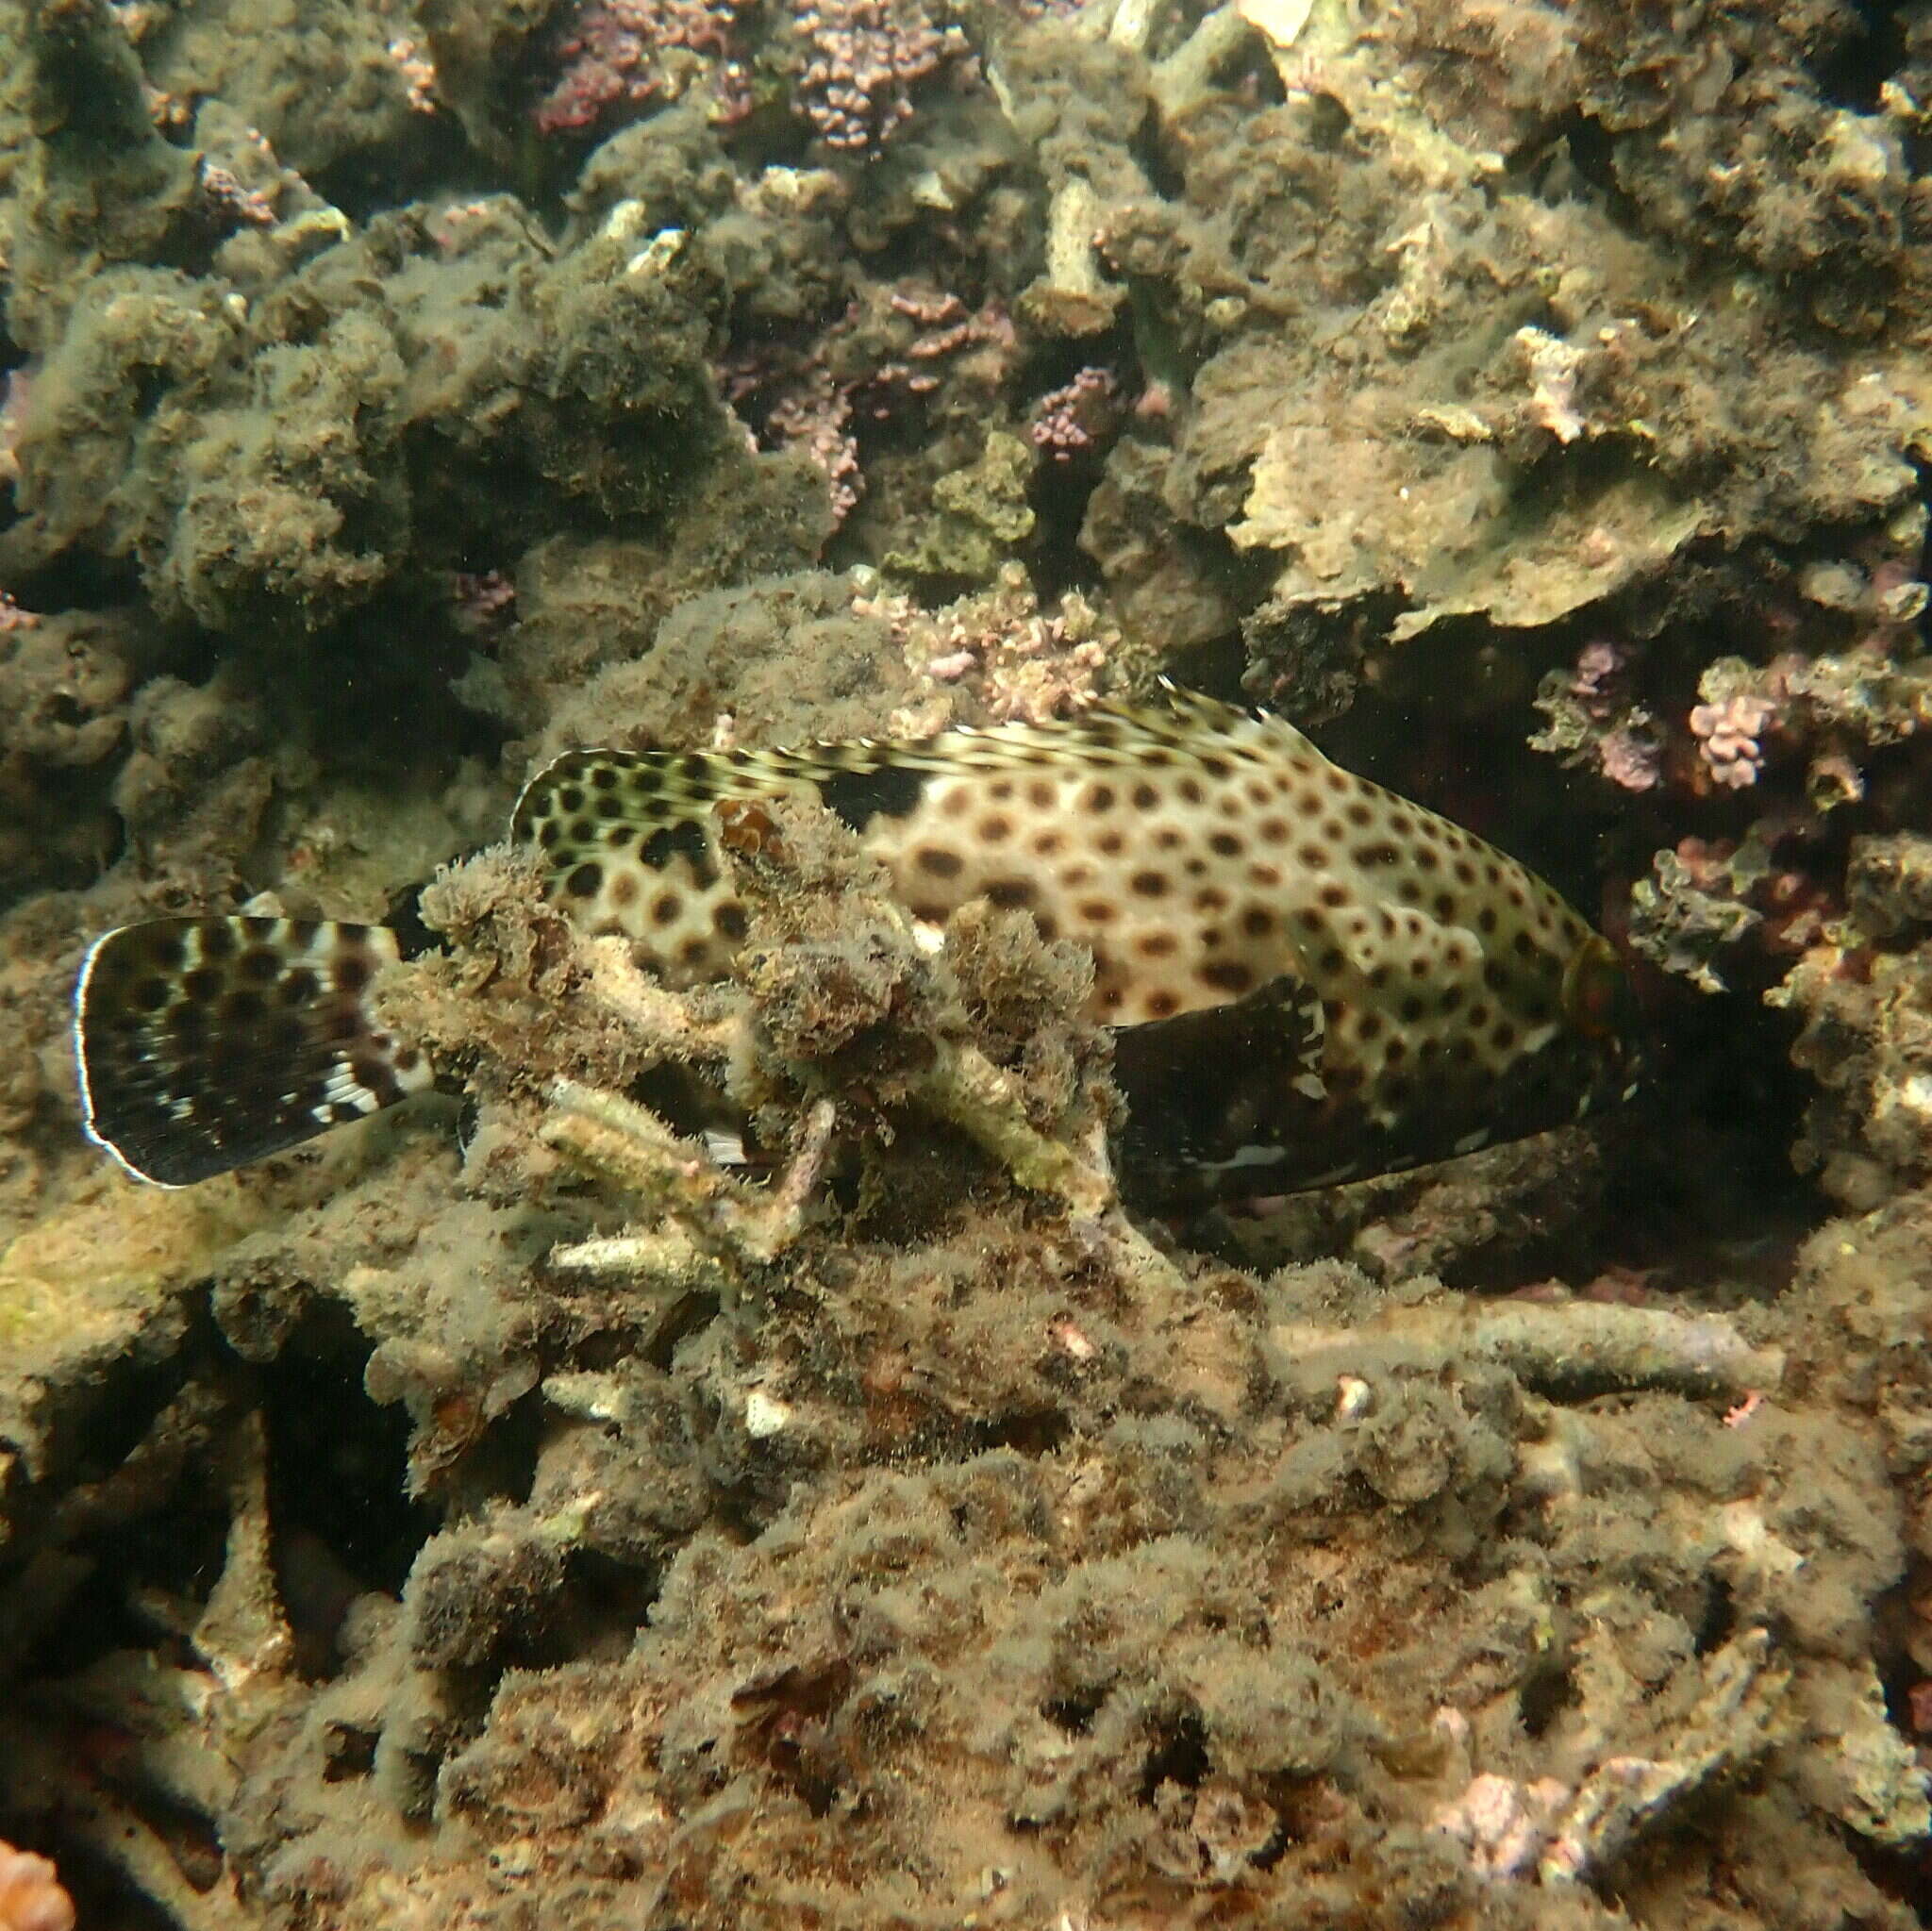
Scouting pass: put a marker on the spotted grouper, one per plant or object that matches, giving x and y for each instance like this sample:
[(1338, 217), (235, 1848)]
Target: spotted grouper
[(1308, 978)]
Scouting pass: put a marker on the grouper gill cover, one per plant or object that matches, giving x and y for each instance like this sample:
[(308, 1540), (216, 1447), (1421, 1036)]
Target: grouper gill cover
[(1309, 979)]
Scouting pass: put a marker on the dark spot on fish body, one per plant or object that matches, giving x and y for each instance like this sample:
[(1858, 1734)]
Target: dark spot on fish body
[(676, 840), (858, 797), (1228, 976)]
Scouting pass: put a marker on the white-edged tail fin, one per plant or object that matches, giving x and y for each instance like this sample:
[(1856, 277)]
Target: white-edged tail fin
[(206, 1043)]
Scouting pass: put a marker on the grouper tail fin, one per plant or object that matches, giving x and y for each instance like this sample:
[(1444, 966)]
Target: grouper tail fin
[(206, 1043)]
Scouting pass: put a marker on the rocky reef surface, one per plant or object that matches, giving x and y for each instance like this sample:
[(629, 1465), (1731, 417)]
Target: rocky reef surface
[(506, 1514)]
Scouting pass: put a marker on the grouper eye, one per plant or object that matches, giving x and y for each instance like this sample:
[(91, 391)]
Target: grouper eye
[(1597, 998)]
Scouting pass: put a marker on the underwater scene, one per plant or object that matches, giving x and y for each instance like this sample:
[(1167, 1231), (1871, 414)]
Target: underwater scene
[(965, 963)]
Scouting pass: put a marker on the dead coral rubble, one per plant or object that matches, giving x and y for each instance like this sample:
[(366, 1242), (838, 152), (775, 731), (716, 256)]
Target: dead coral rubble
[(904, 1532)]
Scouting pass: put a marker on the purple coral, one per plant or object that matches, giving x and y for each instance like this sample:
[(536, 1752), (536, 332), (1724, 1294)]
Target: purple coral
[(863, 58), (483, 602), (1629, 758), (613, 54), (1729, 734), (1069, 420), (1599, 664), (816, 419)]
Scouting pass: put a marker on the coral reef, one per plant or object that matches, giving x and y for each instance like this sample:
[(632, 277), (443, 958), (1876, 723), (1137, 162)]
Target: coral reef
[(732, 1457)]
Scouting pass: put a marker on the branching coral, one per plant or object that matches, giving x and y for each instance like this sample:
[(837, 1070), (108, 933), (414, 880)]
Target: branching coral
[(713, 1227)]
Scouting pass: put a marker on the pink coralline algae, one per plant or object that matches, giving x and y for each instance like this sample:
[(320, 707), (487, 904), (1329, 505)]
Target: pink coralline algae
[(976, 345), (863, 58), (1591, 717), (12, 617), (226, 196), (817, 420), (614, 54), (1071, 420), (484, 600), (1729, 734), (1599, 663), (1501, 1823), (1629, 760)]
